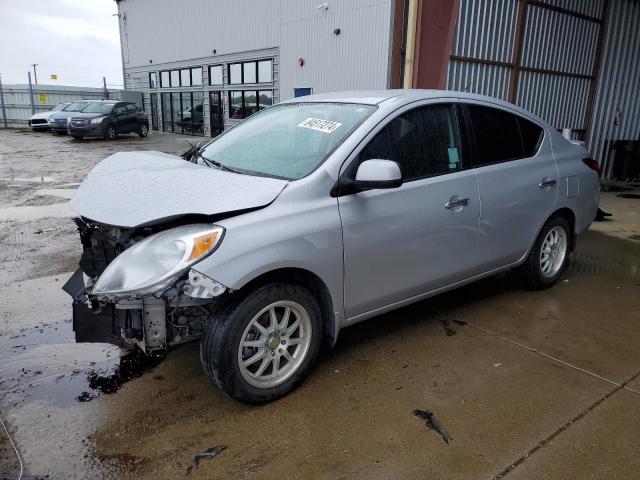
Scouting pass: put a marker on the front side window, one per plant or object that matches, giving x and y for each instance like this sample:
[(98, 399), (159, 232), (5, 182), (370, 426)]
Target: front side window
[(423, 141), (286, 141), (497, 134), (132, 108)]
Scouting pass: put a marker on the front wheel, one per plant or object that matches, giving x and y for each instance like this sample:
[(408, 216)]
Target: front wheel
[(110, 133), (260, 346), (550, 254), (143, 131)]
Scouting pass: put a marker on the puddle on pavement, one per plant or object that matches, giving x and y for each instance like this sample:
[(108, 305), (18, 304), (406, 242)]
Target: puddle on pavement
[(29, 179), (45, 363)]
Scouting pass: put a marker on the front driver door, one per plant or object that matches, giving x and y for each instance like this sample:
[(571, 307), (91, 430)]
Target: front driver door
[(121, 118), (399, 243)]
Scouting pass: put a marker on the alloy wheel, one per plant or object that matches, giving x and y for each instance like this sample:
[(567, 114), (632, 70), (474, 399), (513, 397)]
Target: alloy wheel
[(274, 344), (553, 251)]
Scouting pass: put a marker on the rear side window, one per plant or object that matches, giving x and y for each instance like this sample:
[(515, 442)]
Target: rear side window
[(531, 136), (423, 141), (497, 135)]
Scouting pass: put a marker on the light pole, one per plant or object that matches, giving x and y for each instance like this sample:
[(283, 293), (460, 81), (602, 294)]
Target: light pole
[(35, 75)]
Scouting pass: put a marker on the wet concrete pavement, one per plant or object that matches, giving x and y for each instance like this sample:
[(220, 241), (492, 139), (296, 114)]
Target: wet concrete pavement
[(527, 384)]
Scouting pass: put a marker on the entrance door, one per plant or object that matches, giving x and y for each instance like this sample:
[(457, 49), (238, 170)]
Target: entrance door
[(154, 111), (216, 113)]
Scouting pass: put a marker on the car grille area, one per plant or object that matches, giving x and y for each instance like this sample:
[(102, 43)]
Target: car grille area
[(38, 121), (79, 123)]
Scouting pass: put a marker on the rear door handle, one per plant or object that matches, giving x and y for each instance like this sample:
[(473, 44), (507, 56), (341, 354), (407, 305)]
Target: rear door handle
[(462, 202), (547, 183)]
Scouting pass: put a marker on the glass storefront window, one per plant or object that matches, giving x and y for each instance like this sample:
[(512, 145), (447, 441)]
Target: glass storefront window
[(185, 77), (197, 113), (175, 78), (196, 76), (235, 105), (167, 123), (164, 79), (215, 75), (235, 73), (265, 99), (265, 71)]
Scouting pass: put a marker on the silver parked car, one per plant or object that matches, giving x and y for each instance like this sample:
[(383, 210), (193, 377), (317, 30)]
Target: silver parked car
[(318, 213)]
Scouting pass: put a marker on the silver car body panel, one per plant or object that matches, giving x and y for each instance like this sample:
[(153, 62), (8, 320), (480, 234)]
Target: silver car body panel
[(130, 189), (375, 250)]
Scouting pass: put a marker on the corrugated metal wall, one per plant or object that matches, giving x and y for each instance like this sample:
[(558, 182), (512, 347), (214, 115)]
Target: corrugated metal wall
[(616, 109), (17, 100), (557, 64)]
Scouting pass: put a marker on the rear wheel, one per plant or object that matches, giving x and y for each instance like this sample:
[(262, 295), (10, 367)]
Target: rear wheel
[(110, 133), (143, 131), (550, 254), (260, 347)]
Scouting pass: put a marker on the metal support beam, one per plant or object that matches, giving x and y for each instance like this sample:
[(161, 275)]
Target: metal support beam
[(4, 111), (33, 105), (596, 69), (517, 50)]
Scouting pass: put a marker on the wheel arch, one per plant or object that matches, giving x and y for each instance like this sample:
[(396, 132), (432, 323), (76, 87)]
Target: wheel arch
[(562, 212), (309, 280)]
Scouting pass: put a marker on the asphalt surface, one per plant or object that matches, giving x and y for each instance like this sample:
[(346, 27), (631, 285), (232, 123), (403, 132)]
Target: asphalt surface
[(539, 385)]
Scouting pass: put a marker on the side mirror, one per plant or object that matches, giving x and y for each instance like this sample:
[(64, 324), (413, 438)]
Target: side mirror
[(377, 174)]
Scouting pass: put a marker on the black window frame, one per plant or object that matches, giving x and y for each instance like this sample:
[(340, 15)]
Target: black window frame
[(243, 94), (464, 163), (221, 67), (471, 134), (153, 84), (255, 67)]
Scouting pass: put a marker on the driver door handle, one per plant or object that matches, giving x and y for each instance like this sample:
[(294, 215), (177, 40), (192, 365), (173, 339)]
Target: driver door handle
[(547, 183), (463, 202)]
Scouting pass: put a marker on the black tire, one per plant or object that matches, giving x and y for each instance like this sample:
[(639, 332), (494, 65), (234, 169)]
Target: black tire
[(143, 130), (220, 342), (110, 133), (77, 137), (532, 272)]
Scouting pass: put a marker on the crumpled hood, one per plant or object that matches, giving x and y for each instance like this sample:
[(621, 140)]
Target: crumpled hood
[(131, 189)]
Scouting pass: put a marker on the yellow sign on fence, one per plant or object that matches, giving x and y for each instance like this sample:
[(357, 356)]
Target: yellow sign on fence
[(43, 99), (54, 76)]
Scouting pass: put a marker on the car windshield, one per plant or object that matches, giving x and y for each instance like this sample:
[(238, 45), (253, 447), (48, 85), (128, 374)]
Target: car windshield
[(59, 107), (98, 108), (286, 141), (76, 107)]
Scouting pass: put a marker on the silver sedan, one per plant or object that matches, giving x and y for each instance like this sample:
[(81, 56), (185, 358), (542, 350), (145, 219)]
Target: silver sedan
[(318, 213)]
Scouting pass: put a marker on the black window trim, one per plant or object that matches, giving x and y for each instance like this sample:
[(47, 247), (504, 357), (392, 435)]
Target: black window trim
[(255, 63), (472, 137), (243, 91)]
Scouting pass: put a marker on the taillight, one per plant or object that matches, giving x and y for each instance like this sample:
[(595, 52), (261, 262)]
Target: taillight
[(592, 164)]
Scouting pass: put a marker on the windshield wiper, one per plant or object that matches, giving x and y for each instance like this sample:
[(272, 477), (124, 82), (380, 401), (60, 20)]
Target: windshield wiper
[(207, 161)]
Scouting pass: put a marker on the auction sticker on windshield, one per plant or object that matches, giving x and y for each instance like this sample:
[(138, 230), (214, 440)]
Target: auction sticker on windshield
[(320, 125)]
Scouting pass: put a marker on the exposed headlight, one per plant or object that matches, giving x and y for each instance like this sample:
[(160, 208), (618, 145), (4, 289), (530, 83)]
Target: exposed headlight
[(98, 119), (50, 119), (153, 263)]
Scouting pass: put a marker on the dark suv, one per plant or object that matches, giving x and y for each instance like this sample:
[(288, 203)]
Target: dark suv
[(108, 118)]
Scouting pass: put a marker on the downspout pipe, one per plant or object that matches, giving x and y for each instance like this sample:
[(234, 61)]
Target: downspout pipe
[(410, 48)]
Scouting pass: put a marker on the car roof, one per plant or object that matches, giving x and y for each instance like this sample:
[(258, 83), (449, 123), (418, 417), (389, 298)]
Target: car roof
[(406, 96)]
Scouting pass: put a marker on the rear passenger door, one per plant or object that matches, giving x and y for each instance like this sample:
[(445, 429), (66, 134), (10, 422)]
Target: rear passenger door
[(517, 179)]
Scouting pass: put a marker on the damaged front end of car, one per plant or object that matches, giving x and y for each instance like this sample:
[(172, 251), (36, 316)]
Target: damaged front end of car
[(136, 286)]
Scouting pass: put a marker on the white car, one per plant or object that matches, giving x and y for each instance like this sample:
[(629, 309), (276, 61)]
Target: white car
[(40, 121)]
